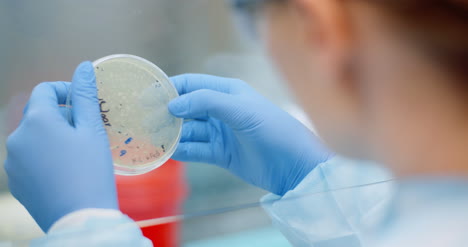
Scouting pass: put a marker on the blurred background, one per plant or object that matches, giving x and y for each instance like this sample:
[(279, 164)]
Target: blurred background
[(45, 40)]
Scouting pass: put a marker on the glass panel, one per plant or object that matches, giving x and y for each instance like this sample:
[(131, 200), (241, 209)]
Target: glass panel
[(337, 210)]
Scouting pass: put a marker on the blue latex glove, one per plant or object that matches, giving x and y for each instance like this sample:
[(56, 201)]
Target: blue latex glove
[(55, 168), (238, 129)]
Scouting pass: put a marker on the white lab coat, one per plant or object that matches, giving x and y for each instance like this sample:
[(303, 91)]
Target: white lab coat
[(425, 211), (94, 228), (321, 212)]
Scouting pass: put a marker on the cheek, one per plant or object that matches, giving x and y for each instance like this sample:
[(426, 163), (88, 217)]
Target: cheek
[(296, 63), (328, 109), (311, 81), (287, 51)]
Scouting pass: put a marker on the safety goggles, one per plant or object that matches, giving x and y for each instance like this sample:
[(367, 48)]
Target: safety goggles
[(249, 12), (249, 5)]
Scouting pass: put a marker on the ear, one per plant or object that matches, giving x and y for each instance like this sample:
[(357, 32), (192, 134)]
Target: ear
[(329, 30)]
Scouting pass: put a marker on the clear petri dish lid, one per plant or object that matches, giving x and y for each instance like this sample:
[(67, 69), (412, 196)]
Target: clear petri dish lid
[(134, 95)]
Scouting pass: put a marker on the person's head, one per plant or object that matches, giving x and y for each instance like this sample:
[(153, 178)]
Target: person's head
[(381, 79)]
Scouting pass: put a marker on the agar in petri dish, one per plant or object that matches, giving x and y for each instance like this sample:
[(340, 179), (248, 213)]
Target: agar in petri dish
[(133, 96)]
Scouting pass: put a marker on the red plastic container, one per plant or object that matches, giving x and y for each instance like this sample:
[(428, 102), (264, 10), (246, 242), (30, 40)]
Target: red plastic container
[(156, 194)]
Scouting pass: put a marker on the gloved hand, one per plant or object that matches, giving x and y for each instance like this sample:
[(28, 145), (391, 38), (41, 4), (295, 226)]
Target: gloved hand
[(238, 129), (55, 168)]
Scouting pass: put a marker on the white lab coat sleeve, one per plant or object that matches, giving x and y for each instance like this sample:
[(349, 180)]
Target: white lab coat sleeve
[(94, 228), (319, 213)]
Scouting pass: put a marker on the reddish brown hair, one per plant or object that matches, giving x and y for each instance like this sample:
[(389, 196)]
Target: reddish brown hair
[(440, 26)]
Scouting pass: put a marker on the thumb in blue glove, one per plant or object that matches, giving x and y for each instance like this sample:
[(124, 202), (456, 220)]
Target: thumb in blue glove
[(55, 168), (238, 129)]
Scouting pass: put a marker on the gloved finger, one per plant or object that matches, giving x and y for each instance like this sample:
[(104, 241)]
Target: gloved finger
[(197, 131), (195, 152), (26, 107), (207, 103), (61, 89), (188, 83), (85, 111), (46, 97), (12, 177)]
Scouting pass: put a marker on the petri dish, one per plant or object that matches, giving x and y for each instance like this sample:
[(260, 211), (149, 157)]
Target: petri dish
[(133, 96)]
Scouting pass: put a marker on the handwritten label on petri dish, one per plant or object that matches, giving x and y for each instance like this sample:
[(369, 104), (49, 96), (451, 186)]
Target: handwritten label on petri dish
[(133, 99)]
